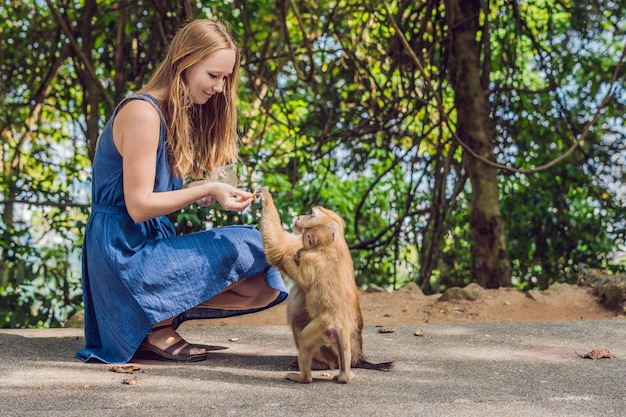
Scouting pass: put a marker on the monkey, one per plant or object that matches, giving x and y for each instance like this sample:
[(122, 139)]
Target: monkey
[(315, 269), (280, 245)]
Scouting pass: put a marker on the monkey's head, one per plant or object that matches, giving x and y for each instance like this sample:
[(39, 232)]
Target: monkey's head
[(320, 235), (320, 216)]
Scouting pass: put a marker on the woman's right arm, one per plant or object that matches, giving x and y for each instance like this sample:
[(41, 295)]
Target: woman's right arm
[(136, 131)]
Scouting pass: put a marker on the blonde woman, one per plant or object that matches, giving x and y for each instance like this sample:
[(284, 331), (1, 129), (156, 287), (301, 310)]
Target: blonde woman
[(140, 280)]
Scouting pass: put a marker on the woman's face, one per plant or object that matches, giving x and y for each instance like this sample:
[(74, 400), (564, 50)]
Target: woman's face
[(207, 77)]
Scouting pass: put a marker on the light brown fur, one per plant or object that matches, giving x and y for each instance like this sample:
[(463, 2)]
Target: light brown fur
[(316, 270), (281, 246)]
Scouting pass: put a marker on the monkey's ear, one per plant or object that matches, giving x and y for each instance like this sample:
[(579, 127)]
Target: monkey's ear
[(334, 228)]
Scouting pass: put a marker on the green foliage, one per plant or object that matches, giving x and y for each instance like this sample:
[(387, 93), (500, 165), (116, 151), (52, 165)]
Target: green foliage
[(44, 293), (554, 226), (572, 213), (44, 168)]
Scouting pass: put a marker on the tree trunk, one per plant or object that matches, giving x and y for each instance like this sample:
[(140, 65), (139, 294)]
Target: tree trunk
[(490, 265)]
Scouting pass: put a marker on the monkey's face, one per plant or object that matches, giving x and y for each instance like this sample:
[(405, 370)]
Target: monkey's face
[(319, 216), (306, 221)]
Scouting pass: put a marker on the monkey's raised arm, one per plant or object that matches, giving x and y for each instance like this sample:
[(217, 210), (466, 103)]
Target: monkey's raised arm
[(294, 272), (278, 243)]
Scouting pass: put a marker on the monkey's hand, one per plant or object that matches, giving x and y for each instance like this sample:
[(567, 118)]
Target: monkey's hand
[(293, 269), (264, 195), (260, 193), (296, 256)]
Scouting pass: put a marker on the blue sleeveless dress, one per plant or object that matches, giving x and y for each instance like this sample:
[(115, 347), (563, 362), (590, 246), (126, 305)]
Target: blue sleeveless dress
[(138, 274)]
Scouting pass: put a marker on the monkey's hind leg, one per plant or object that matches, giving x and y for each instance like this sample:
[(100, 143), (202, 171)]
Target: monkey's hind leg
[(308, 343), (342, 338), (304, 364), (305, 376)]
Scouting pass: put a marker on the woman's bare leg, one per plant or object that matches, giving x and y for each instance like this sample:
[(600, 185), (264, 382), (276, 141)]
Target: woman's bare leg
[(248, 293)]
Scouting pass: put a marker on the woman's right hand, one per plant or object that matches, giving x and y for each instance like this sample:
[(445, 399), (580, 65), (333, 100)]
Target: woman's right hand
[(229, 197)]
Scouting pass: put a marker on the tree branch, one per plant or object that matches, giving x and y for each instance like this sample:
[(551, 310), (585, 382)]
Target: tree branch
[(576, 144), (81, 55), (59, 204)]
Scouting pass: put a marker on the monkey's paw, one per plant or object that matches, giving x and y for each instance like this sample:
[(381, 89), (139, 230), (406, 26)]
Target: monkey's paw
[(343, 378), (296, 256), (292, 376), (262, 193)]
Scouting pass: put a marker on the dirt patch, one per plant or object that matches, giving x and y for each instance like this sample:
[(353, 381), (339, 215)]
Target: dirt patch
[(410, 305)]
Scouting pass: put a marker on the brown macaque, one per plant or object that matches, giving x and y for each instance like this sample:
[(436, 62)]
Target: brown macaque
[(316, 270), (282, 246)]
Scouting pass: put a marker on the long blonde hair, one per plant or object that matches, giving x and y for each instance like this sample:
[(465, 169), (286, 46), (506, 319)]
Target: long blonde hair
[(200, 138)]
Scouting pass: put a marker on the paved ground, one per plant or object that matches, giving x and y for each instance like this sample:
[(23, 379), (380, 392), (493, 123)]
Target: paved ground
[(483, 369)]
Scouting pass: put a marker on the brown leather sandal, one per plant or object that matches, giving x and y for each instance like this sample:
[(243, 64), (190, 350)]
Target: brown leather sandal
[(149, 351)]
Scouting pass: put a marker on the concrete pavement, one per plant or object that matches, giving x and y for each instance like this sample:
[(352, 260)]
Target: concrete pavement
[(478, 369)]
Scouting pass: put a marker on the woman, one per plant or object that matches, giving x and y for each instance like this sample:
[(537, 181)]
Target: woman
[(140, 280)]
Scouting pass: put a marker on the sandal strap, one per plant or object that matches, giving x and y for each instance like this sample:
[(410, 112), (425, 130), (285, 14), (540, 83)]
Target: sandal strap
[(172, 348), (184, 346), (151, 350), (157, 328)]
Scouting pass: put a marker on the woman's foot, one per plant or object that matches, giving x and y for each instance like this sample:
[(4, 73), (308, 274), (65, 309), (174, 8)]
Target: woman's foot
[(163, 343), (164, 337)]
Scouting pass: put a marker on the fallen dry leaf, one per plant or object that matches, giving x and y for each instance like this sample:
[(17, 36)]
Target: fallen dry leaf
[(123, 369), (597, 354), (133, 381), (386, 330)]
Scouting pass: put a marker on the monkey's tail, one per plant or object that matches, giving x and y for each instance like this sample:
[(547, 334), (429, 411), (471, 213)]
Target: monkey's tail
[(339, 340), (382, 366)]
